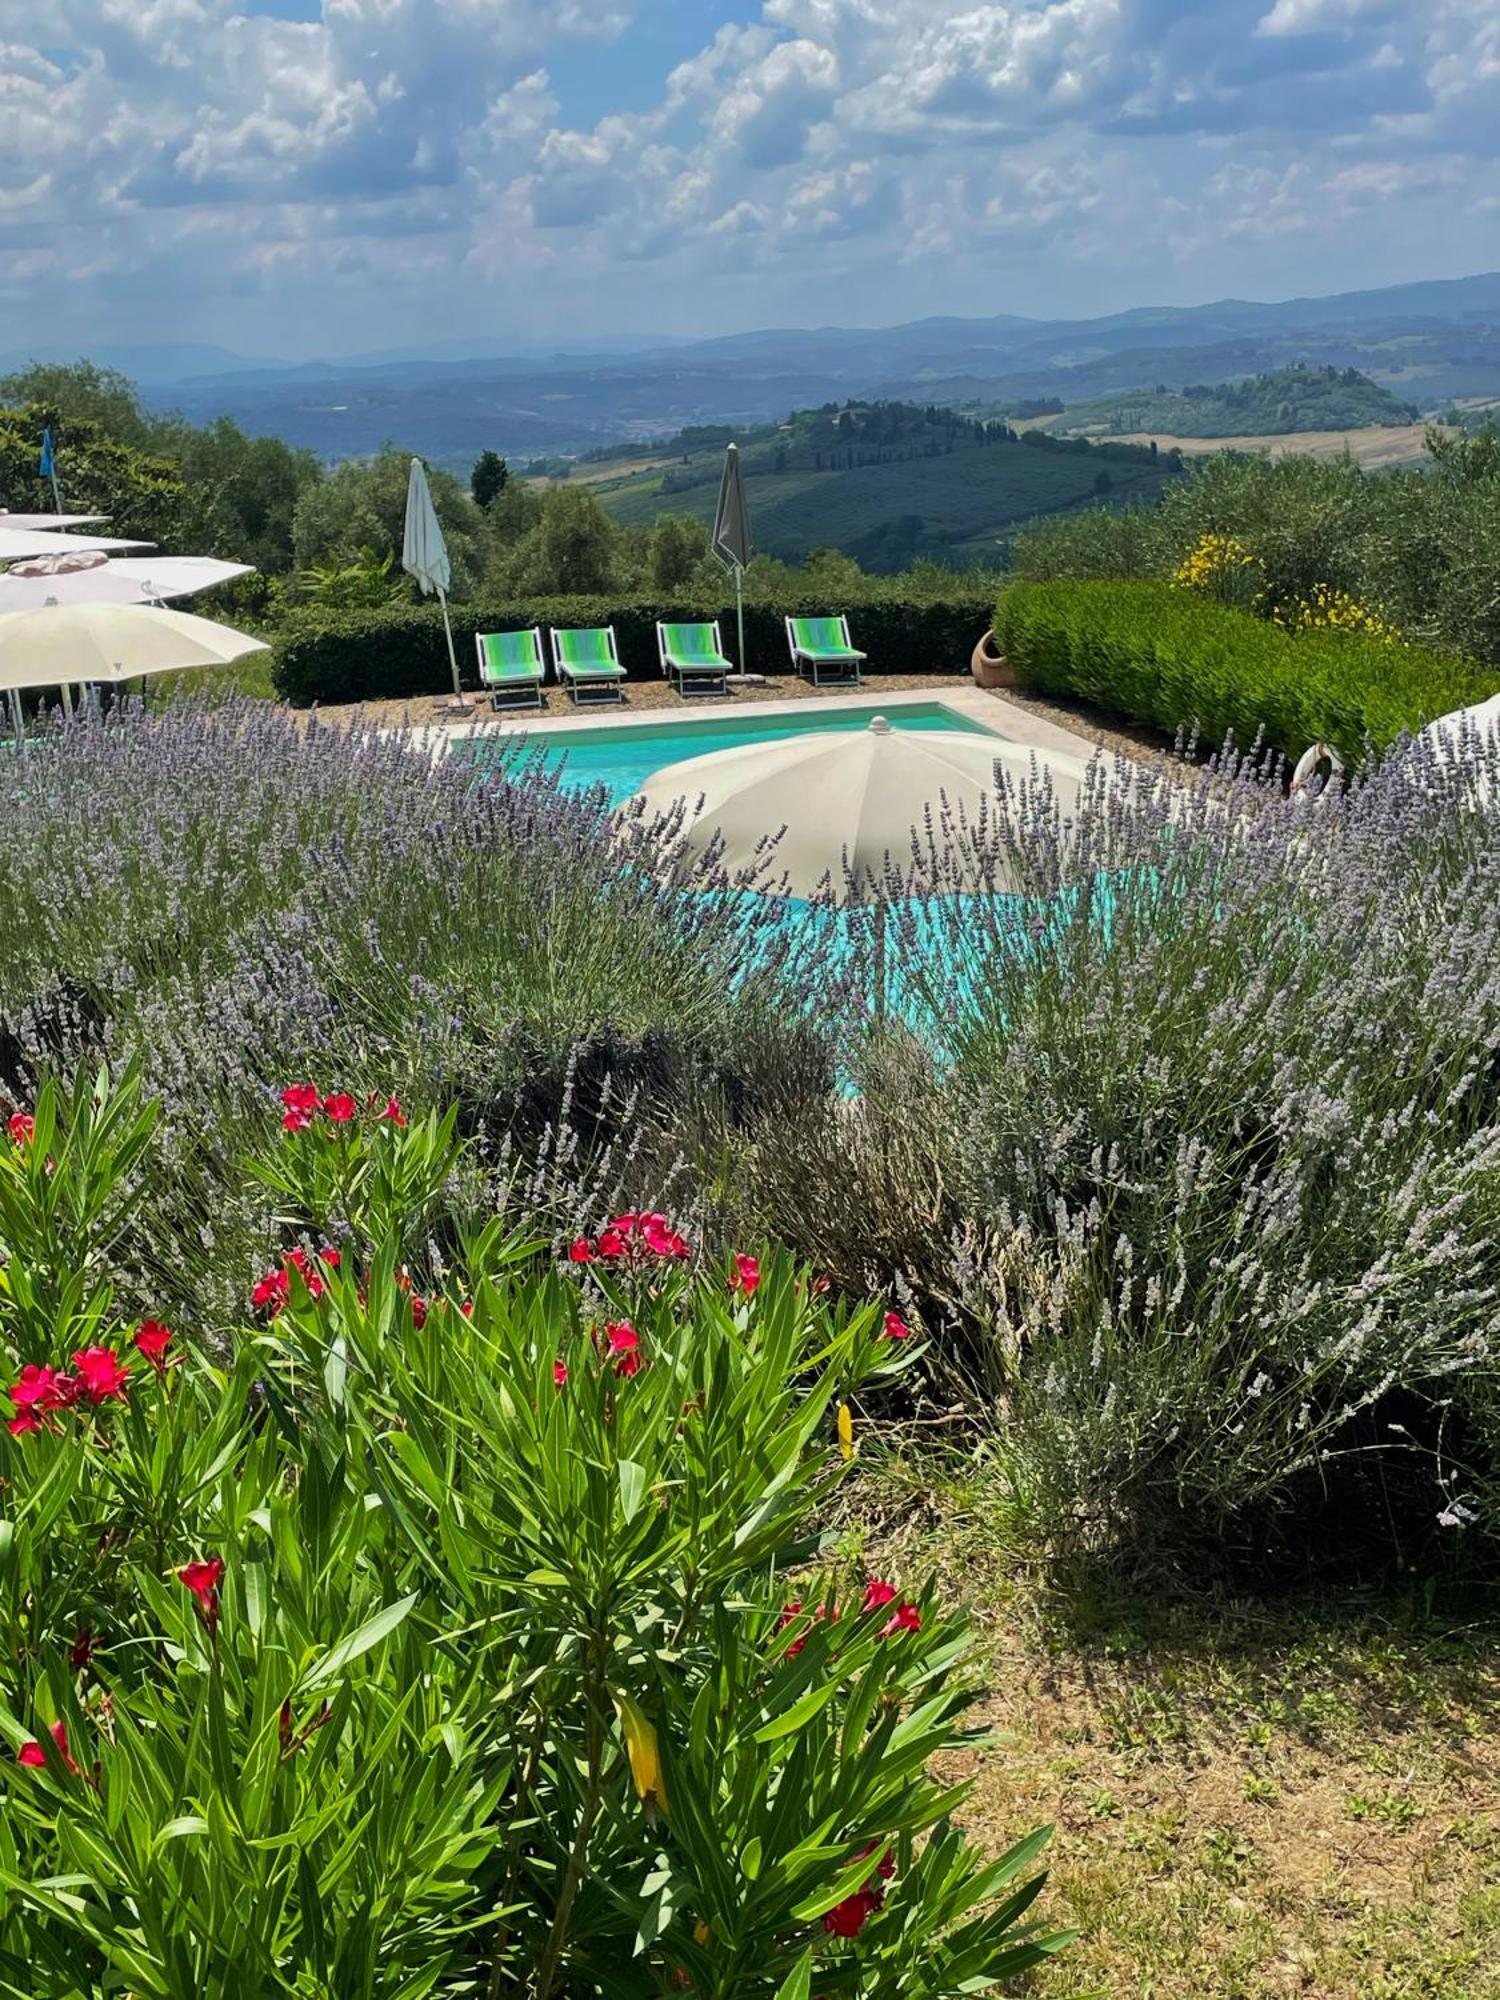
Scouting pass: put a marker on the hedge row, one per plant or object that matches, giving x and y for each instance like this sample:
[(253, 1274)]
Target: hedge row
[(374, 655), (1168, 656)]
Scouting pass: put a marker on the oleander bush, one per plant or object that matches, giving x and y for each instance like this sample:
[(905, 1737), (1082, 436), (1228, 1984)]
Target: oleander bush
[(1169, 655), (371, 656), (452, 1630)]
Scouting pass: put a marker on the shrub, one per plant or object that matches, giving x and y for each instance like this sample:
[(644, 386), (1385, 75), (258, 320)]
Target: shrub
[(444, 1638), (323, 658), (1227, 1108), (1171, 657)]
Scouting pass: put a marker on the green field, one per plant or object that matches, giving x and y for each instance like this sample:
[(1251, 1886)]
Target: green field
[(885, 483)]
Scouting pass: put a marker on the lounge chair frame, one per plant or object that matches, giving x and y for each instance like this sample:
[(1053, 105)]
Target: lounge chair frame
[(517, 688), (589, 685), (689, 672), (829, 669)]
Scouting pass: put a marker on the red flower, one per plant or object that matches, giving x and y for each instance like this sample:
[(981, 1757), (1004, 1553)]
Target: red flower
[(877, 1593), (745, 1276), (101, 1374), (153, 1339), (81, 1652), (848, 1919), (329, 1256), (660, 1240), (302, 1098), (467, 1308), (340, 1107), (34, 1757), (895, 1328), (19, 1426), (633, 1236), (580, 1251), (906, 1618), (272, 1292), (418, 1311), (21, 1127), (299, 1261), (295, 1121), (43, 1389), (611, 1244), (625, 1342), (202, 1579), (560, 1373), (789, 1614), (392, 1113)]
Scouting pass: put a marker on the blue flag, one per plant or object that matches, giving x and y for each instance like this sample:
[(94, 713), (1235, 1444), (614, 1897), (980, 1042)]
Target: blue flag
[(47, 468)]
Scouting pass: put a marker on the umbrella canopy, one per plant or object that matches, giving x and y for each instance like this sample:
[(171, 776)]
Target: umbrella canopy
[(110, 642), (849, 806), (424, 553), (97, 580), (17, 544), (10, 520), (731, 536)]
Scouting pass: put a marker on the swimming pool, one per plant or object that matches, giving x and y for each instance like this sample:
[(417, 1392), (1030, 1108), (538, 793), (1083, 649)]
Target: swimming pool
[(622, 756)]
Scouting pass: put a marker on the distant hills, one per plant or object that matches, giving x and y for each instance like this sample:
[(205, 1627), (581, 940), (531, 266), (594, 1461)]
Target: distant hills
[(884, 482), (1428, 343)]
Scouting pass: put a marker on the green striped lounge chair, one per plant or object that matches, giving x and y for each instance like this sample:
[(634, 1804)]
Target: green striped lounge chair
[(822, 645), (511, 666), (588, 663), (692, 657)]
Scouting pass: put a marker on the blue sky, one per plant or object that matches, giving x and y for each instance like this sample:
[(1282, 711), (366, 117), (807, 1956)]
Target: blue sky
[(307, 177)]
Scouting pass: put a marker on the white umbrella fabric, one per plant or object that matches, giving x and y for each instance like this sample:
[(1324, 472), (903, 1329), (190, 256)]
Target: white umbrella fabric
[(110, 643), (10, 520), (96, 580), (849, 805), (17, 544), (424, 555)]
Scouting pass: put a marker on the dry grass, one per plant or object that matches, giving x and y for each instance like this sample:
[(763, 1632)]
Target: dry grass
[(1372, 445), (1251, 1799)]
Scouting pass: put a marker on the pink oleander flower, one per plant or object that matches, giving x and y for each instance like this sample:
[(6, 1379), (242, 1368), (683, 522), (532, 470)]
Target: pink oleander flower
[(22, 1127), (202, 1579), (624, 1343), (905, 1618), (34, 1757), (102, 1375), (745, 1276), (152, 1340), (878, 1593), (895, 1328), (340, 1107)]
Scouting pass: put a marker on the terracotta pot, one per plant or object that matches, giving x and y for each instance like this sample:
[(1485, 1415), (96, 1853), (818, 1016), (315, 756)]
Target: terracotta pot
[(989, 668)]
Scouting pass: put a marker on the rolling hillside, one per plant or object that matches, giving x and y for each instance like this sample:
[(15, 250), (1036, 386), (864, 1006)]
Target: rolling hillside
[(1285, 400), (884, 482)]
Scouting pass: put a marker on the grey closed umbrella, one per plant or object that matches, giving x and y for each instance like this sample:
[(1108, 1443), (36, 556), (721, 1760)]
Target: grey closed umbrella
[(424, 555), (731, 536)]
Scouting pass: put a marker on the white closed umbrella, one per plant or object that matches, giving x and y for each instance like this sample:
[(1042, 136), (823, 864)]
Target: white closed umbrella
[(60, 643), (424, 555), (851, 806)]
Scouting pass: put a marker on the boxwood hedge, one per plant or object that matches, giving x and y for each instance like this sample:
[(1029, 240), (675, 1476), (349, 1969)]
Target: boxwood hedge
[(374, 655), (1161, 654)]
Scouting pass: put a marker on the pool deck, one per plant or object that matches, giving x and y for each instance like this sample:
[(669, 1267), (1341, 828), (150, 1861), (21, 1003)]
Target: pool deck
[(972, 706)]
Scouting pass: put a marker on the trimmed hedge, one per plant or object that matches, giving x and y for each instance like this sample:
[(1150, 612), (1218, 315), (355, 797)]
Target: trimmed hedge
[(1164, 655), (377, 655)]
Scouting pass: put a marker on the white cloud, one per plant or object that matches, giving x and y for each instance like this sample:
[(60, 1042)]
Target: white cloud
[(352, 166)]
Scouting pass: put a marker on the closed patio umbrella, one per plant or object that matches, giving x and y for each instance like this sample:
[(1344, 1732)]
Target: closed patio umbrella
[(730, 540), (424, 555)]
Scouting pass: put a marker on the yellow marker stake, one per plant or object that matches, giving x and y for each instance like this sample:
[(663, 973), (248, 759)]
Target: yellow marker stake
[(846, 1431)]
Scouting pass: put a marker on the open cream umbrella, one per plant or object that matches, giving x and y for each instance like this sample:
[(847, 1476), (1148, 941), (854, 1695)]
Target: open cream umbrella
[(853, 808), (60, 643)]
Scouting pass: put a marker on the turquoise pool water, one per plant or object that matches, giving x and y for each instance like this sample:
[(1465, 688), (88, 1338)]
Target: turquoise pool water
[(622, 757)]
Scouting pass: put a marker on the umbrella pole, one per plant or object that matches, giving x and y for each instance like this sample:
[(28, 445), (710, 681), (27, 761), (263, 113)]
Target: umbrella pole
[(17, 719), (458, 693), (739, 609)]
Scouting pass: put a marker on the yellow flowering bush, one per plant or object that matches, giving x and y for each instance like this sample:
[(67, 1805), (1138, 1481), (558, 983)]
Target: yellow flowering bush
[(1222, 566), (1328, 609)]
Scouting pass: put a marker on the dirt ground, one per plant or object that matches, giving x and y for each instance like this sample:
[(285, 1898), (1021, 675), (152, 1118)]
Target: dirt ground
[(1252, 1800)]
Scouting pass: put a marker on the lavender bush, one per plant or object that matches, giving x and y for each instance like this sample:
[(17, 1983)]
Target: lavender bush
[(1227, 1099), (231, 898)]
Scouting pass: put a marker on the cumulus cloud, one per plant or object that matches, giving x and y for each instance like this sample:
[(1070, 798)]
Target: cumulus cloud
[(357, 163)]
